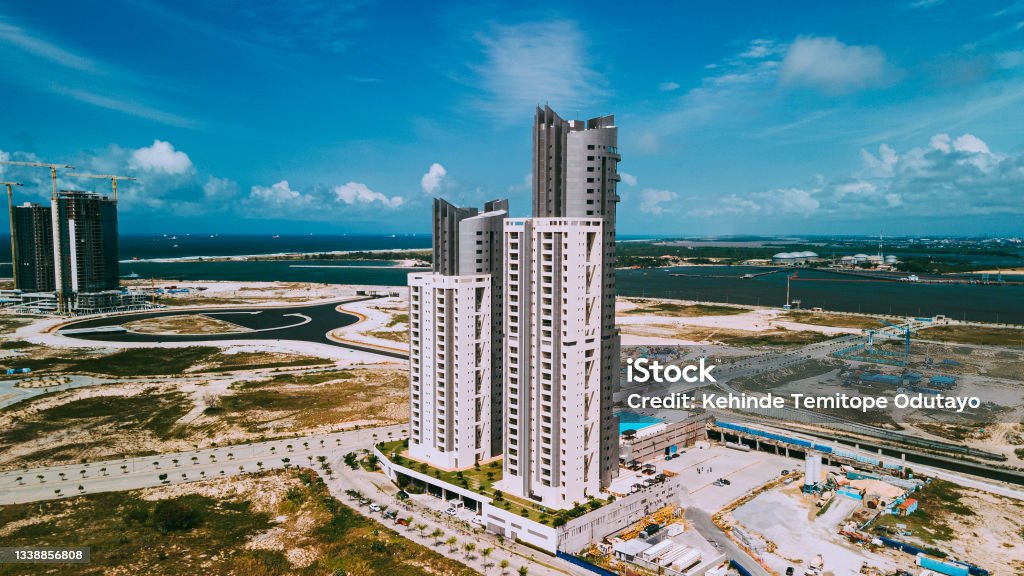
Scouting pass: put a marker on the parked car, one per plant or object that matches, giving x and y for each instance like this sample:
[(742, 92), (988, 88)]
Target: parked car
[(402, 521), (374, 507), (451, 511), (478, 520), (784, 472)]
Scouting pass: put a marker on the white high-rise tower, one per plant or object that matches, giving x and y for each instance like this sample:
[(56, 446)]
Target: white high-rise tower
[(455, 340), (561, 346)]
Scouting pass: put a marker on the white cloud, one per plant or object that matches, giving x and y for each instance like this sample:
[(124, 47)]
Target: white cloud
[(833, 67), (668, 86), (652, 201), (431, 181), (357, 193), (533, 63), (762, 48), (628, 179), (279, 200), (161, 157), (219, 189), (950, 177)]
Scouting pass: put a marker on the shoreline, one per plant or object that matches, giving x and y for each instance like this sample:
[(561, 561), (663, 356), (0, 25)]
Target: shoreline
[(275, 256)]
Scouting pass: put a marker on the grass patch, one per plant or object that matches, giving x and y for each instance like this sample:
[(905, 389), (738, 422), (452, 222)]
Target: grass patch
[(646, 308), (939, 505), (345, 396), (16, 345), (155, 413), (133, 362), (145, 361), (401, 336), (832, 320), (978, 335), (398, 319), (197, 534)]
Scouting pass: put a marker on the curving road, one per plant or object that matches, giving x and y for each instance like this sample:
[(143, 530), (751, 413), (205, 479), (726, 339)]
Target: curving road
[(304, 323)]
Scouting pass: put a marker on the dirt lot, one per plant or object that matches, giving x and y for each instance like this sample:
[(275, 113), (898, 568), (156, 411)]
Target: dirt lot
[(726, 336), (123, 418), (184, 324), (272, 523)]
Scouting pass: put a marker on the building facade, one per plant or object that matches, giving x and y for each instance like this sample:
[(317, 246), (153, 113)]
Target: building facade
[(87, 227), (561, 345), (455, 340), (32, 229)]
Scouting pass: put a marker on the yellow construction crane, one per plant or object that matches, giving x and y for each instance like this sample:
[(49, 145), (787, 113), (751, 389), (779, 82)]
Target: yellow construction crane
[(56, 237), (14, 245), (112, 177)]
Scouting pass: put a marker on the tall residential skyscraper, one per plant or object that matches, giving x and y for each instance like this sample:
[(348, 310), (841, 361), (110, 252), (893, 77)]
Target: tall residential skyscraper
[(561, 350), (455, 340), (32, 228), (87, 225)]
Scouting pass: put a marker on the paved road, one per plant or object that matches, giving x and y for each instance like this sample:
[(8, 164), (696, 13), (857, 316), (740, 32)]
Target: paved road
[(701, 522), (378, 488), (143, 472), (306, 323), (19, 486)]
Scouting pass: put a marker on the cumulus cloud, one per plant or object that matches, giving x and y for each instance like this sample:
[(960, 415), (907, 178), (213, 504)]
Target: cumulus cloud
[(534, 62), (628, 179), (668, 86), (161, 157), (357, 193), (219, 189), (653, 201), (950, 176), (833, 67), (279, 199), (431, 181)]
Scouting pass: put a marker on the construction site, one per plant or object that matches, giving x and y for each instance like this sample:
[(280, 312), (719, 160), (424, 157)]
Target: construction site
[(65, 256)]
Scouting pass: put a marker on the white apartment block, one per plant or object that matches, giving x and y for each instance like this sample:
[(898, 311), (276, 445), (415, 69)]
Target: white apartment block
[(554, 288), (450, 369)]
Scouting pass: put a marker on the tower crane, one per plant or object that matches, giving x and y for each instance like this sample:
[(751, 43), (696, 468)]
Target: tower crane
[(112, 177), (14, 245), (56, 237)]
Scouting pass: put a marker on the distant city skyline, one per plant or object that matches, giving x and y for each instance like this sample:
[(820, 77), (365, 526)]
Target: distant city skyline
[(901, 118)]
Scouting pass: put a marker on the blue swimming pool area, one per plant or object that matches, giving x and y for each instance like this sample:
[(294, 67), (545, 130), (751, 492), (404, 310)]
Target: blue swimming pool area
[(634, 421)]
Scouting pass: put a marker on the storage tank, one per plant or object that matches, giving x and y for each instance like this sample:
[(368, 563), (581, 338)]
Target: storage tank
[(812, 468)]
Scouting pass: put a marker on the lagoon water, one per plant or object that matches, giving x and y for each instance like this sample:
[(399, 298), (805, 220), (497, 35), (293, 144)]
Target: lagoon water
[(710, 283), (988, 303)]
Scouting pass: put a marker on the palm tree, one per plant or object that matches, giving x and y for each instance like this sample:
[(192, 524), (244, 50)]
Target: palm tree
[(103, 471), (523, 570), (421, 528), (62, 475), (124, 468), (175, 462), (469, 547), (19, 481), (437, 534), (485, 553), (504, 566), (452, 544)]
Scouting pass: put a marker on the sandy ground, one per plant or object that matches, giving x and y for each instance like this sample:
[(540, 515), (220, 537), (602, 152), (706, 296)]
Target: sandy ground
[(661, 330), (377, 314)]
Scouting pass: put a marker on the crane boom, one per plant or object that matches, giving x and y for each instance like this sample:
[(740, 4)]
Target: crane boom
[(56, 236), (112, 177)]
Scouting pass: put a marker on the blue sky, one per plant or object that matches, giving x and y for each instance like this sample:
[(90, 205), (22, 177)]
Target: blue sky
[(899, 117)]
